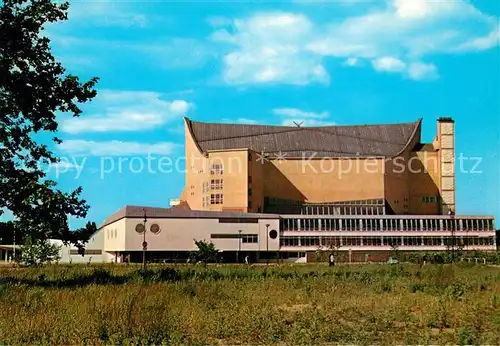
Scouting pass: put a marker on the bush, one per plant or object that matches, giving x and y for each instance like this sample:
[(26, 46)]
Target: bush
[(35, 252)]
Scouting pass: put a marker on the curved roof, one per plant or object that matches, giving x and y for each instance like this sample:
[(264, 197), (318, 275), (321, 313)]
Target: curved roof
[(387, 140)]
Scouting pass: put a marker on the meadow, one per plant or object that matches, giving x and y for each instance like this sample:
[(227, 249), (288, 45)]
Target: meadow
[(282, 305)]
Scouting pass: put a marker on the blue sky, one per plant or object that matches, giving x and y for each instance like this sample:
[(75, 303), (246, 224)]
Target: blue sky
[(271, 62)]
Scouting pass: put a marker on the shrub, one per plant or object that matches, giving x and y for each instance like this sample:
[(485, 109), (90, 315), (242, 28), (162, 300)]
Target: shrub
[(36, 252)]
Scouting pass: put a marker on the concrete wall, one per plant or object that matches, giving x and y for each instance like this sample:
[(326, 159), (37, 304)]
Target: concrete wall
[(196, 172), (114, 235), (324, 180), (68, 253), (179, 234), (424, 182), (256, 176)]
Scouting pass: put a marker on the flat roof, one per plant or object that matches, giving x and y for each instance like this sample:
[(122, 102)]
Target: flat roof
[(137, 212), (133, 211)]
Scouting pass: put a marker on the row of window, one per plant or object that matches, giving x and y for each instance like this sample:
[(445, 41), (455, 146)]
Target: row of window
[(216, 168), (386, 224), (429, 199), (245, 238), (280, 202), (111, 233), (214, 184), (386, 241), (206, 201), (215, 198), (325, 210), (249, 238)]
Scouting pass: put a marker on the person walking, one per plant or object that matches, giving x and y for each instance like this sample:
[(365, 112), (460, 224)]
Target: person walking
[(331, 260)]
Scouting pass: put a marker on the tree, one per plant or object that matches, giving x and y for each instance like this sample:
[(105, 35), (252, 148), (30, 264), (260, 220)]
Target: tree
[(206, 251), (34, 87), (36, 252)]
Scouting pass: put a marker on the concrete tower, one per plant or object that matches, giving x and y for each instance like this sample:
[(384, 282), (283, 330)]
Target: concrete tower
[(446, 140)]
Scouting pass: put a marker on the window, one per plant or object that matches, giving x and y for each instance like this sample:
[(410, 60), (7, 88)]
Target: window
[(249, 238), (206, 201), (87, 252), (216, 184), (216, 198), (205, 187), (429, 199), (490, 224), (249, 192), (216, 168), (224, 236), (289, 241), (238, 220), (249, 179), (250, 204)]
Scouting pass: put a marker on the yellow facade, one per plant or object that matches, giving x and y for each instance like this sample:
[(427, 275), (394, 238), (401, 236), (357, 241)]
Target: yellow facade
[(239, 179)]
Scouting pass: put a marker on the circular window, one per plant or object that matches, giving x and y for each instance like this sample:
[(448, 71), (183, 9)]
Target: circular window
[(155, 228), (139, 228), (273, 234)]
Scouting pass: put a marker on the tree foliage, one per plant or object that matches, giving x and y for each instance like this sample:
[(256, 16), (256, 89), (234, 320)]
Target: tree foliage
[(36, 252), (206, 252), (34, 87)]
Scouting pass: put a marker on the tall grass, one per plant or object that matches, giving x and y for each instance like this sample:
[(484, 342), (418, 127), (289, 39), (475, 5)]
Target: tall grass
[(369, 304)]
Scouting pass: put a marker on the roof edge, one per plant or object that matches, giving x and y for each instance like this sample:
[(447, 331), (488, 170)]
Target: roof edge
[(188, 123), (418, 123)]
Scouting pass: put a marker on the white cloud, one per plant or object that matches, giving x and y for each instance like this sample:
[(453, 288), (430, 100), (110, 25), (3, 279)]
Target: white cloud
[(80, 147), (289, 48), (239, 121), (351, 62), (126, 111), (298, 113), (422, 8), (411, 28), (415, 70), (388, 64), (421, 71), (480, 43), (64, 165), (293, 116), (307, 122), (269, 48)]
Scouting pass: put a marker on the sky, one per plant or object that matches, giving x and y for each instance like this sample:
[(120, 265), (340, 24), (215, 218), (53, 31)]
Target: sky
[(271, 62)]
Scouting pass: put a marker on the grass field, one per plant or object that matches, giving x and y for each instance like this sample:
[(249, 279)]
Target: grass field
[(357, 304)]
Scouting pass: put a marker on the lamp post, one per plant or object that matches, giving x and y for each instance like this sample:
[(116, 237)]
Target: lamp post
[(14, 243), (239, 247), (267, 244), (451, 214), (144, 243)]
